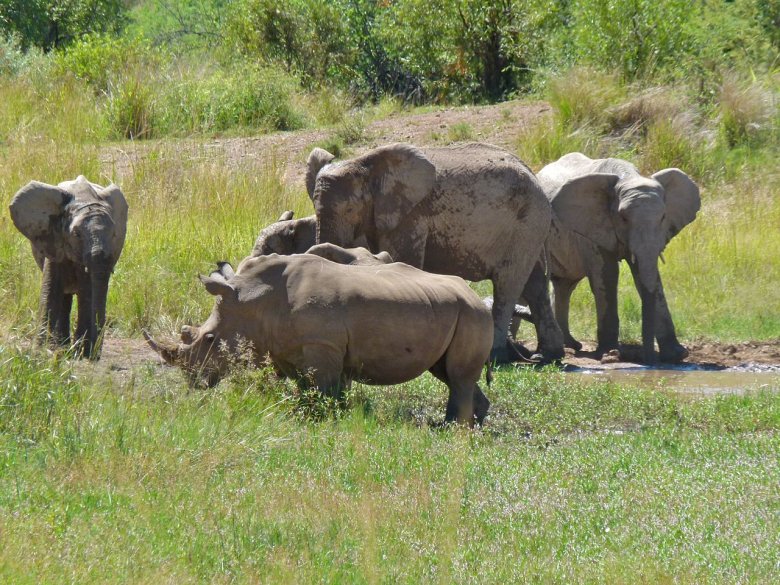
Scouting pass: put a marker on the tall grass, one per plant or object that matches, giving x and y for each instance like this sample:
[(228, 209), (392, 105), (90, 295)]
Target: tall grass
[(138, 480)]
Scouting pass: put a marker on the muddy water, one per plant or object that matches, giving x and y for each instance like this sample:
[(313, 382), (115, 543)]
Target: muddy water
[(689, 379)]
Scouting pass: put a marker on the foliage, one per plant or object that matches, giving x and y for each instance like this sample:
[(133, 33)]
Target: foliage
[(186, 26), (53, 24)]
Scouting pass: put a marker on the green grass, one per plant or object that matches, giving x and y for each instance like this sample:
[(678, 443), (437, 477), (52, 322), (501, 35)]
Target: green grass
[(138, 481)]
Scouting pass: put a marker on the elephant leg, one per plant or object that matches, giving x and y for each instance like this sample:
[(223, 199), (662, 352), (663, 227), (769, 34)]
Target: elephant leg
[(562, 291), (86, 315), (55, 321), (548, 333), (669, 348), (603, 276), (506, 292)]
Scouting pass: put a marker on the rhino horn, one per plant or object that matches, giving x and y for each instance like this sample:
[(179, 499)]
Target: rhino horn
[(168, 352)]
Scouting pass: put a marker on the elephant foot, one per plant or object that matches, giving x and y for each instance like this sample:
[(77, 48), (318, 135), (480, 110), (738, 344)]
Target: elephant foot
[(572, 343), (601, 350), (673, 354)]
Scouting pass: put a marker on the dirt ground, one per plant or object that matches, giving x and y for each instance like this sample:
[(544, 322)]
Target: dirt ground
[(122, 357), (497, 124)]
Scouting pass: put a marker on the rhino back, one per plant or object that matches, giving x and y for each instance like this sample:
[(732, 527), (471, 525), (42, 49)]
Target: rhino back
[(391, 322)]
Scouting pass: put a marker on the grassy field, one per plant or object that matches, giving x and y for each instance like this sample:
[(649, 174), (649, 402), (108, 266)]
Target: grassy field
[(129, 477), (140, 481)]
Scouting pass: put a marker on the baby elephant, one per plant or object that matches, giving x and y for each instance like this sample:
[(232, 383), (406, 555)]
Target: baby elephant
[(77, 231), (287, 236), (376, 323)]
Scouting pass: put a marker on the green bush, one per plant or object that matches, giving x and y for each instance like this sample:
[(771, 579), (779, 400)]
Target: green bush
[(242, 97), (102, 60)]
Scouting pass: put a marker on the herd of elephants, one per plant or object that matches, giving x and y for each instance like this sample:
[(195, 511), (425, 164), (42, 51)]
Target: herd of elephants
[(371, 286)]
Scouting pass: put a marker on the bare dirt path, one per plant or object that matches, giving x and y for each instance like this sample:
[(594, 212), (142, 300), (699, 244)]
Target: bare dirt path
[(496, 124)]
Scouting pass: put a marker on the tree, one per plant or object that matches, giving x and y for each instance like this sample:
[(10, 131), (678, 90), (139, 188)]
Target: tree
[(52, 24)]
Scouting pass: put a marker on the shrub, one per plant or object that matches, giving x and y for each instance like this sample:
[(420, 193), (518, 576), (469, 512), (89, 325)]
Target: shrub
[(100, 60), (130, 108), (584, 96), (549, 139), (460, 132), (747, 111), (215, 101)]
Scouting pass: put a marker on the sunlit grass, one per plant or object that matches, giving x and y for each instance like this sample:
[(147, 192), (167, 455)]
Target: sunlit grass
[(140, 480)]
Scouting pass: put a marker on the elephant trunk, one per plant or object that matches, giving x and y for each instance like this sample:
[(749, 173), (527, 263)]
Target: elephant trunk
[(99, 274), (647, 279)]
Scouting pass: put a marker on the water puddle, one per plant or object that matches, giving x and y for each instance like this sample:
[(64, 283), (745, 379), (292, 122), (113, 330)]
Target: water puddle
[(689, 378)]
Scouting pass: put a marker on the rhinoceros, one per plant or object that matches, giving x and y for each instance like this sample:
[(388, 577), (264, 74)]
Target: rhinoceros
[(332, 323)]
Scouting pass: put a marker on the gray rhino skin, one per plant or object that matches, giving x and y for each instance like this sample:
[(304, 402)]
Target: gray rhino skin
[(376, 323), (473, 210)]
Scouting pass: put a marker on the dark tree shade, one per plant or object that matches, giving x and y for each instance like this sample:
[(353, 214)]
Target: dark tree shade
[(51, 24)]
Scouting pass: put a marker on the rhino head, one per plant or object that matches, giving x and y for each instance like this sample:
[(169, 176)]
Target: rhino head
[(205, 353)]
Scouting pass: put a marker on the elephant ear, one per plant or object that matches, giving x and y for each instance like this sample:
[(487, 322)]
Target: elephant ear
[(318, 158), (400, 177), (36, 211), (587, 205), (116, 201), (681, 196)]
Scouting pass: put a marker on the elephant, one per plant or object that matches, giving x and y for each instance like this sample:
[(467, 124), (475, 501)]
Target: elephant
[(605, 211), (287, 236), (473, 210), (77, 231), (333, 323)]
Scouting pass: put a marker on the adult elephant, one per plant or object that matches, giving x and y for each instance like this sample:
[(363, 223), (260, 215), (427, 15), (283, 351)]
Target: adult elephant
[(474, 211), (77, 231), (605, 211)]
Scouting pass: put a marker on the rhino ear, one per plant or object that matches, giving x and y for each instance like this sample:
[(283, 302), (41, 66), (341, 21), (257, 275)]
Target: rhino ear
[(225, 270), (286, 216), (37, 208), (216, 285)]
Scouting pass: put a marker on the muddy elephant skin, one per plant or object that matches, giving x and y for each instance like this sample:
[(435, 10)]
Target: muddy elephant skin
[(77, 231)]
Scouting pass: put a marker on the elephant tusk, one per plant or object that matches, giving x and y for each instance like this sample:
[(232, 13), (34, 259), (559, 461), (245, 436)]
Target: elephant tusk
[(661, 256), (633, 258)]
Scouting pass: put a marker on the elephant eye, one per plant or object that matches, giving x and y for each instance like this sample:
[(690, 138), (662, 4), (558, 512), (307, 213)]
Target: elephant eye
[(209, 337)]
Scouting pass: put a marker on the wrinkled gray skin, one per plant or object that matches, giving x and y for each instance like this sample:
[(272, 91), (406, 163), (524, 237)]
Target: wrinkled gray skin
[(605, 212), (474, 210), (287, 236), (77, 231), (377, 323)]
